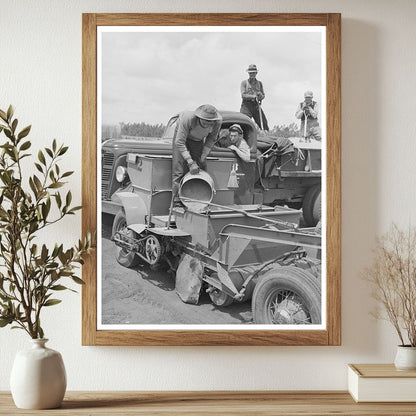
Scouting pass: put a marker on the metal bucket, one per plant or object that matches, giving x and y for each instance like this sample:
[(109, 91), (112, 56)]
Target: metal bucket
[(196, 191)]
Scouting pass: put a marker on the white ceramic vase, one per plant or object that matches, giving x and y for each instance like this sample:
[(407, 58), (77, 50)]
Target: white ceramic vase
[(38, 378), (405, 358)]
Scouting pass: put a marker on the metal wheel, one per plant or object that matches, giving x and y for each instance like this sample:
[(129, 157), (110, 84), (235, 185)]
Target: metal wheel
[(285, 307), (218, 297), (153, 250)]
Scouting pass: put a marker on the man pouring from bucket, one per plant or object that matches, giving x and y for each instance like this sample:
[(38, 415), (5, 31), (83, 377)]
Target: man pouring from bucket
[(195, 135)]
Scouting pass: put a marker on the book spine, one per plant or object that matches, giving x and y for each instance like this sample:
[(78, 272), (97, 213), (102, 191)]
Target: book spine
[(353, 381)]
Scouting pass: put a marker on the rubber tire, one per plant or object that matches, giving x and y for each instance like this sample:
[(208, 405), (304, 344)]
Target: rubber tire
[(317, 208), (220, 299), (123, 257), (298, 280), (311, 205)]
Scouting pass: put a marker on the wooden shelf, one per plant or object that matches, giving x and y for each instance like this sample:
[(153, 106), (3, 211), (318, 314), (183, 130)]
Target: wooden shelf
[(178, 403)]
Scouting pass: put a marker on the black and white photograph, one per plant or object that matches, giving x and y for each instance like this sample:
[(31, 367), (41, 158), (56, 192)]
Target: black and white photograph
[(211, 145)]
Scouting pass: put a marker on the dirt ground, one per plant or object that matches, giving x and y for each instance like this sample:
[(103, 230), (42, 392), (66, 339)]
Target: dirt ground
[(143, 296)]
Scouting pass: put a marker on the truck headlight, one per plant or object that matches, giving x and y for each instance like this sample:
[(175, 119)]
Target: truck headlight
[(121, 174)]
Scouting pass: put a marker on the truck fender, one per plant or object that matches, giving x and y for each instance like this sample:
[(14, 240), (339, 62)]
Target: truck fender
[(134, 207)]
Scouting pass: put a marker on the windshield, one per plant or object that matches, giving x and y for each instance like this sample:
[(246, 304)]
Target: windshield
[(170, 128)]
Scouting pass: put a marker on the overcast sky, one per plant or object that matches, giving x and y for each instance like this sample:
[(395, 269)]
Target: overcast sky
[(148, 77)]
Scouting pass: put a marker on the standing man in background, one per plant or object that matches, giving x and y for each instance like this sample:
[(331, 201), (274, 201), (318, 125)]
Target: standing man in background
[(307, 112), (252, 93), (195, 135)]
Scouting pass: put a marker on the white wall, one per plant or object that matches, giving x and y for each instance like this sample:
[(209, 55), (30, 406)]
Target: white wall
[(40, 73)]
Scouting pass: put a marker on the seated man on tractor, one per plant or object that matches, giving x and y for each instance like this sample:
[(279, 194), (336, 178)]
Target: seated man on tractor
[(233, 140), (195, 135)]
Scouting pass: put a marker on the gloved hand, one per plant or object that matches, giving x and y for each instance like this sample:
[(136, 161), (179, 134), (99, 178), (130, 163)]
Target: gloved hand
[(193, 168)]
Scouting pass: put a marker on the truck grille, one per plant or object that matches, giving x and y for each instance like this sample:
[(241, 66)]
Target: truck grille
[(106, 171)]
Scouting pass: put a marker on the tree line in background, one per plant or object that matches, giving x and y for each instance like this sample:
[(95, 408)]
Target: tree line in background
[(291, 130), (131, 129), (156, 130), (142, 129)]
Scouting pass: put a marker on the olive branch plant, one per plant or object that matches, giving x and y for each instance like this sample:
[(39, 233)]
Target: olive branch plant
[(30, 273), (393, 278)]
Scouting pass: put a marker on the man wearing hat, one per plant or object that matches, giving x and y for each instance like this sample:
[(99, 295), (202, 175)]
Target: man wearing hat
[(308, 112), (195, 135), (237, 142), (252, 93)]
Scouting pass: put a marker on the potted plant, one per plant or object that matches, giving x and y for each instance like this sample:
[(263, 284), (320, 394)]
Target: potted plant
[(31, 272), (393, 277)]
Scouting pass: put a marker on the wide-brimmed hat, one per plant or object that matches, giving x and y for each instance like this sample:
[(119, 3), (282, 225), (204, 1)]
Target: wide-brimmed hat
[(308, 94), (207, 112), (236, 127), (252, 68)]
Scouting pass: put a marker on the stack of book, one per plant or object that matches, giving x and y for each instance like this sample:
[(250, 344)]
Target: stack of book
[(381, 383)]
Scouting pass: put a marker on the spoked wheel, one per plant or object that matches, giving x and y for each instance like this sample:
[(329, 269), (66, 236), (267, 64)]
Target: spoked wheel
[(123, 256), (285, 307), (153, 250), (287, 296)]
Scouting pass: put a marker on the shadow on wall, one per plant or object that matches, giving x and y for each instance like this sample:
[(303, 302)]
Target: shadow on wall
[(361, 129)]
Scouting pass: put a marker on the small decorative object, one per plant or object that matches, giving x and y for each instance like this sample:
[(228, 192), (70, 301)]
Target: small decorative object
[(30, 272), (405, 358), (393, 276), (381, 383), (38, 379)]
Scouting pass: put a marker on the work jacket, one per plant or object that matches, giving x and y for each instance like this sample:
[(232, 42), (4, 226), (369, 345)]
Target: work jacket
[(189, 128)]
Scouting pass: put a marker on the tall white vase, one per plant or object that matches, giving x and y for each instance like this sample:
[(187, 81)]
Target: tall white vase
[(38, 378)]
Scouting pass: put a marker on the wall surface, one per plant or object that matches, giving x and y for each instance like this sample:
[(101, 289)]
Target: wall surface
[(40, 73)]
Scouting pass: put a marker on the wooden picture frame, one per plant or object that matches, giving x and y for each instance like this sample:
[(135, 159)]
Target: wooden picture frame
[(331, 334)]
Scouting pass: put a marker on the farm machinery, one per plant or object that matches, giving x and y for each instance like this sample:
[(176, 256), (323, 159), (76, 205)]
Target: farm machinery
[(279, 172), (233, 252)]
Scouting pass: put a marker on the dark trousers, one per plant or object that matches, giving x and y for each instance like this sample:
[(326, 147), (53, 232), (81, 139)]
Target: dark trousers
[(180, 166), (252, 109)]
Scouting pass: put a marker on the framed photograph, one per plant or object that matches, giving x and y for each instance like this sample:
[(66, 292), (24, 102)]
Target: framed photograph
[(211, 172)]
